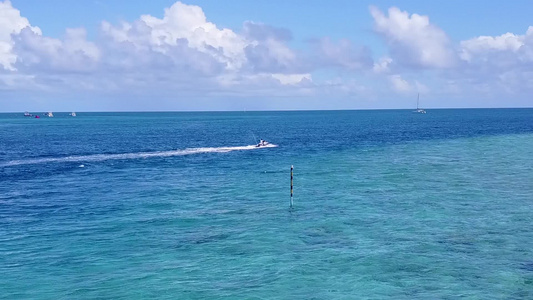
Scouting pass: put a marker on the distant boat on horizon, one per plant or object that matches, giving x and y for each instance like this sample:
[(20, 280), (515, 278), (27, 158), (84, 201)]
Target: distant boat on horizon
[(73, 114), (49, 114), (27, 114), (419, 110)]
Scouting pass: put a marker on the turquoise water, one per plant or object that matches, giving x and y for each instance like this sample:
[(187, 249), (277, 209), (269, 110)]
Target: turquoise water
[(388, 205)]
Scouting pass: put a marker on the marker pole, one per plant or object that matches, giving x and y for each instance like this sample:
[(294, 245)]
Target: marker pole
[(291, 204)]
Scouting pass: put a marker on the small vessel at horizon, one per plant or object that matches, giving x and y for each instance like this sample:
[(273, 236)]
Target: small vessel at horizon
[(73, 114), (262, 143), (27, 114), (49, 114), (419, 110)]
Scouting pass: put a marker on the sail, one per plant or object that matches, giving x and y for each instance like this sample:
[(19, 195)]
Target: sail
[(418, 109)]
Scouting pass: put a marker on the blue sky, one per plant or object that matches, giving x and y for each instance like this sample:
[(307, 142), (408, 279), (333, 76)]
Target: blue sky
[(157, 55)]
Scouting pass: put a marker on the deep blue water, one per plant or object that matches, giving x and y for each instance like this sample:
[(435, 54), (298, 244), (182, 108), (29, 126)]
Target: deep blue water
[(388, 205)]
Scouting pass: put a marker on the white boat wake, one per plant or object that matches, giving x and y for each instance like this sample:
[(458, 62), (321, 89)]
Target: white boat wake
[(137, 155)]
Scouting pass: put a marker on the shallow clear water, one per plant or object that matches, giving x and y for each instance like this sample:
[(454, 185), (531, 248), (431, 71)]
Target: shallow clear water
[(388, 205)]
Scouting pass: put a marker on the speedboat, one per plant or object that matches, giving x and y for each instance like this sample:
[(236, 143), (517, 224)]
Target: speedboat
[(27, 114), (49, 114), (262, 143)]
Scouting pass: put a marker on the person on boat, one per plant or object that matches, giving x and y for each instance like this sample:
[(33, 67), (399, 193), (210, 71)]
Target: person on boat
[(262, 143)]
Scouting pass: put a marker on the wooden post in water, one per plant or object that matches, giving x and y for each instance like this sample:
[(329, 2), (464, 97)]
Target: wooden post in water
[(291, 204)]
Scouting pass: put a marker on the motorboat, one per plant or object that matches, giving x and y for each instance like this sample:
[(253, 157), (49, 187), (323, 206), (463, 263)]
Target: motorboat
[(262, 143)]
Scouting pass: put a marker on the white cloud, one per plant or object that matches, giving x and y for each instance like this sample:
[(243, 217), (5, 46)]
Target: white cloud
[(18, 81), (182, 47), (11, 23), (72, 54), (382, 66), (184, 53), (292, 79), (413, 40), (494, 66), (271, 56), (481, 66), (268, 50), (181, 22), (399, 84), (508, 41), (505, 50)]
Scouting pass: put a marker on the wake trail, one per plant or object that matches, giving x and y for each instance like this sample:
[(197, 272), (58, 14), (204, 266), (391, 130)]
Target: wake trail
[(135, 155)]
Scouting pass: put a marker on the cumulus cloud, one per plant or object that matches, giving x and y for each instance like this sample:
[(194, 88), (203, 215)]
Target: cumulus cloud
[(399, 84), (183, 52), (181, 48), (495, 65), (484, 65), (382, 66), (271, 56), (174, 49), (413, 40), (508, 41), (506, 50), (11, 22), (181, 24), (268, 50), (72, 54)]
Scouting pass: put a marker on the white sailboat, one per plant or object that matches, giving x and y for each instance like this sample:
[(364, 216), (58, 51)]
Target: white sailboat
[(419, 110)]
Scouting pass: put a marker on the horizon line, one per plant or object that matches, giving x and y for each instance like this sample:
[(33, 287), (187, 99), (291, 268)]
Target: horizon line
[(266, 110)]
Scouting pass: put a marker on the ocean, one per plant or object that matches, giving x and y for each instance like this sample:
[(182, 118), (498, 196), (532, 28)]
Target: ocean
[(388, 204)]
